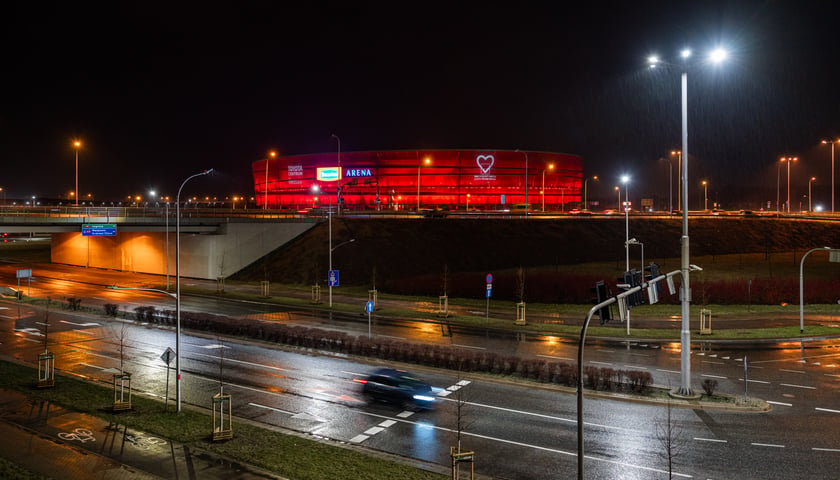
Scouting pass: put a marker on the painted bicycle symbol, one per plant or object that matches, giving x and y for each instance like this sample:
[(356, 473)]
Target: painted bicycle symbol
[(142, 441), (78, 434)]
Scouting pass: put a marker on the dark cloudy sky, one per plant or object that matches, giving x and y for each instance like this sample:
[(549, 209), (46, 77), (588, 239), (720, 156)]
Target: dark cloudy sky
[(159, 91)]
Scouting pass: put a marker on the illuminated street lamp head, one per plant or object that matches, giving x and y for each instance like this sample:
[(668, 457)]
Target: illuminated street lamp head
[(718, 55), (625, 179), (77, 143), (427, 161), (316, 189), (685, 53), (551, 166), (272, 154), (653, 61), (704, 183)]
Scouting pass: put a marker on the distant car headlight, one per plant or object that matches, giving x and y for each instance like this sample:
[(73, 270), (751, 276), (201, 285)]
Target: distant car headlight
[(424, 398)]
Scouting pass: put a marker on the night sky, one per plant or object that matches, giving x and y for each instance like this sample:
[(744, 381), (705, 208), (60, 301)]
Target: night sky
[(159, 91)]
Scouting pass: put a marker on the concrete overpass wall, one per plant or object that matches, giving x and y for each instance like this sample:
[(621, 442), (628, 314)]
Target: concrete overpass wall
[(206, 256)]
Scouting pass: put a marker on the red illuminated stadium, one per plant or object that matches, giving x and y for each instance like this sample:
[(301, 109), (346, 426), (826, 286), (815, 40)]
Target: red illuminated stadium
[(412, 179)]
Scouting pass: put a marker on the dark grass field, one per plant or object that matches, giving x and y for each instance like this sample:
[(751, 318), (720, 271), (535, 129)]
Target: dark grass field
[(561, 259)]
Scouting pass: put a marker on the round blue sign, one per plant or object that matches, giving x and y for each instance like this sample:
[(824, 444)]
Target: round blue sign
[(489, 278)]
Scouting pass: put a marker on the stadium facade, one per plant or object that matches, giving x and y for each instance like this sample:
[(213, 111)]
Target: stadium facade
[(420, 179)]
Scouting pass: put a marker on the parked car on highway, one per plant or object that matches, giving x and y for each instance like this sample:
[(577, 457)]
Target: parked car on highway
[(397, 386)]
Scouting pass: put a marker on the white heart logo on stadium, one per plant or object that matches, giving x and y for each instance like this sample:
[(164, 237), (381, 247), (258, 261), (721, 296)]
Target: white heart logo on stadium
[(485, 162)]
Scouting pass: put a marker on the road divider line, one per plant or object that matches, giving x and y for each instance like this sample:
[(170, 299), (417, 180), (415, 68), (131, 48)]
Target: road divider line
[(712, 376), (771, 445), (468, 346), (526, 445), (666, 371), (791, 371), (771, 402), (826, 449), (601, 363), (797, 386), (716, 440), (637, 367), (827, 410), (557, 358), (271, 408), (755, 381), (373, 431)]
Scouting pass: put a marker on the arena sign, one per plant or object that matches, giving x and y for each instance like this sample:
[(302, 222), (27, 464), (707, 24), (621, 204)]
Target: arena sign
[(328, 174)]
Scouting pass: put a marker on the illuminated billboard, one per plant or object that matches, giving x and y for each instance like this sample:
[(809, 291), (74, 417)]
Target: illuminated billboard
[(411, 179)]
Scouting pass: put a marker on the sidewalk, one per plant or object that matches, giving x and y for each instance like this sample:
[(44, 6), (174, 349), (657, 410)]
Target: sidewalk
[(59, 443)]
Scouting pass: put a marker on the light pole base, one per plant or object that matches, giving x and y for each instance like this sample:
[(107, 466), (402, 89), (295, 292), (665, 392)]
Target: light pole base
[(682, 394)]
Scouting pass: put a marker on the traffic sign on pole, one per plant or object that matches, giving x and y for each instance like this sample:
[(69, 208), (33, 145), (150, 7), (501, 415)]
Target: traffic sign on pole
[(332, 278)]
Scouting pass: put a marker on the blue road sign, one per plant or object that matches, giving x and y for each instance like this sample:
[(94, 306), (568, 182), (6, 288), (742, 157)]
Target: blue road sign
[(99, 230), (332, 278), (369, 307), (489, 290)]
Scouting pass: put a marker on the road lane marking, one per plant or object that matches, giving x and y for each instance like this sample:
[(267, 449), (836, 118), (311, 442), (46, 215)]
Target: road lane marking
[(797, 386), (405, 414), (713, 363), (712, 376), (361, 438), (88, 324), (387, 423), (468, 346), (243, 362), (791, 371), (666, 371), (557, 358), (754, 381), (638, 367), (771, 402), (373, 431), (717, 440), (601, 363), (827, 410), (771, 445), (826, 449), (271, 408)]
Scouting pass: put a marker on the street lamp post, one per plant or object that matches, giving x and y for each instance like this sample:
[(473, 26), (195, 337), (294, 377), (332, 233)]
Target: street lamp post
[(585, 202), (787, 160), (810, 209), (625, 180), (679, 177), (717, 56), (77, 144), (178, 288), (428, 162), (618, 189), (271, 154), (542, 192), (338, 189), (705, 195), (831, 142)]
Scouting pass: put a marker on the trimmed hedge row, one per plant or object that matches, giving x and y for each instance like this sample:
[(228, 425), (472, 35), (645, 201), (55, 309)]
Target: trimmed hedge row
[(439, 356)]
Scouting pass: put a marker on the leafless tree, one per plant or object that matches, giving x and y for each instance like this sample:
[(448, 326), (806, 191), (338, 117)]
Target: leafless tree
[(671, 437)]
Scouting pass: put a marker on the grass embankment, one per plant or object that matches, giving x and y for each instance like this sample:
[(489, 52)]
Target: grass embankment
[(560, 319), (289, 455)]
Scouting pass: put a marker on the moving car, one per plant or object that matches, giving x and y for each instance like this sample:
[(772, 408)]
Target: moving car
[(397, 386)]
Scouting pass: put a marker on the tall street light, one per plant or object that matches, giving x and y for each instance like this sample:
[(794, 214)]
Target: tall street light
[(542, 192), (705, 194), (809, 194), (585, 202), (685, 390), (678, 154), (271, 155), (338, 158), (178, 288), (618, 189), (76, 145), (831, 142), (427, 162), (625, 179), (787, 160)]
